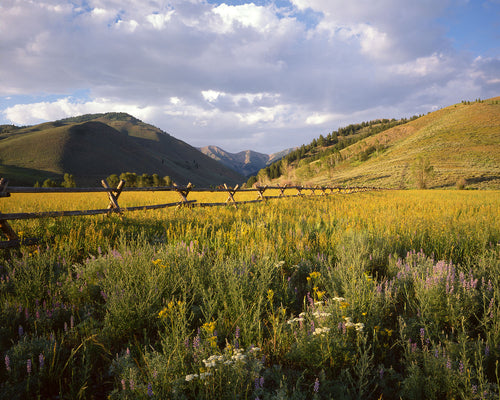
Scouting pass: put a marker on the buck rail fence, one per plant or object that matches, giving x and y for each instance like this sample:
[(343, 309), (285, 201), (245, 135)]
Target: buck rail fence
[(15, 240)]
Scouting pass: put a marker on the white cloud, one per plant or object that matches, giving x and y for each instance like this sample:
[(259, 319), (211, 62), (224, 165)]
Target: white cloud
[(235, 75)]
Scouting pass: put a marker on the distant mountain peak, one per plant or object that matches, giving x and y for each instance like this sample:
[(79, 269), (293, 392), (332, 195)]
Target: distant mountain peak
[(246, 162)]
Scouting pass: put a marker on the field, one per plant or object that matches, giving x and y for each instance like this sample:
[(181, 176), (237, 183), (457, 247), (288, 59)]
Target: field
[(375, 295)]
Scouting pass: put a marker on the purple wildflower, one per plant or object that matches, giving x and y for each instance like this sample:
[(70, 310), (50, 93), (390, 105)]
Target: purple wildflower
[(381, 373), (20, 331), (41, 360), (28, 366), (422, 334), (124, 387), (461, 367), (316, 385), (448, 363), (7, 363), (150, 389), (131, 384), (487, 351)]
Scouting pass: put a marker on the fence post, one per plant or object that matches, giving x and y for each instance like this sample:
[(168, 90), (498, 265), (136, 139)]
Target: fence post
[(183, 193), (260, 192), (113, 195), (282, 190), (231, 192)]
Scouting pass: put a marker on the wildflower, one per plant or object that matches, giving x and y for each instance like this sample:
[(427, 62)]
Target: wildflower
[(461, 367), (150, 389), (487, 351), (191, 377), (203, 375), (270, 295), (7, 363), (28, 366), (157, 261), (381, 373), (315, 275), (41, 360), (20, 331), (316, 385), (422, 334), (209, 327), (131, 384), (124, 387), (339, 299)]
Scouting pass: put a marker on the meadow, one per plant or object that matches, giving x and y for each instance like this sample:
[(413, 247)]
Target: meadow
[(374, 295)]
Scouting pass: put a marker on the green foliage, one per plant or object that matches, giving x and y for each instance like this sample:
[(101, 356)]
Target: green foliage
[(307, 298), (48, 183), (69, 181), (422, 171)]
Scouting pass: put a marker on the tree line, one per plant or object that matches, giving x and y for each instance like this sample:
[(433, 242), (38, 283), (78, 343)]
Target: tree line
[(131, 180), (329, 144)]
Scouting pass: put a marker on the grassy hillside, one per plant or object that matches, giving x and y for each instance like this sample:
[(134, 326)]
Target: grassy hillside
[(460, 143), (91, 147)]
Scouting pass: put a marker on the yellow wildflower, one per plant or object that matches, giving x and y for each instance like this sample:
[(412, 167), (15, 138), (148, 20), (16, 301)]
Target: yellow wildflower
[(270, 295)]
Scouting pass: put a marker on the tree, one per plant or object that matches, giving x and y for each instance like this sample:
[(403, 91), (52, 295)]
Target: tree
[(113, 180), (69, 181), (49, 183), (130, 178), (167, 180), (422, 171)]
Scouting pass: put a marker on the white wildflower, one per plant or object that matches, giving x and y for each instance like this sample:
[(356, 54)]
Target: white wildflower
[(191, 377)]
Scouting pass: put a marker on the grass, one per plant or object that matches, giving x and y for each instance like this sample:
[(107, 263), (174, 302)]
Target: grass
[(460, 141), (370, 295)]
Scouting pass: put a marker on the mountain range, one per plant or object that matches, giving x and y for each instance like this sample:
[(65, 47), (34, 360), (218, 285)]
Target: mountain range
[(247, 162), (94, 146), (459, 143)]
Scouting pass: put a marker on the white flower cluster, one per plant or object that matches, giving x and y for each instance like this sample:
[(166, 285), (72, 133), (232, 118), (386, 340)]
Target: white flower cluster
[(234, 356), (321, 330), (358, 325), (202, 376), (339, 299), (318, 314)]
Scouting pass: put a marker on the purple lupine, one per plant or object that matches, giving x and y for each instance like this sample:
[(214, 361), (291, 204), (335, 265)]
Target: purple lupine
[(41, 360), (150, 389), (316, 385), (28, 366), (487, 351), (124, 387), (422, 334), (131, 384), (381, 373), (20, 331), (461, 367), (7, 363)]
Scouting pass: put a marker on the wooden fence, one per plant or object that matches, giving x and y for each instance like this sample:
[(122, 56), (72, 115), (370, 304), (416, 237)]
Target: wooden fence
[(113, 194)]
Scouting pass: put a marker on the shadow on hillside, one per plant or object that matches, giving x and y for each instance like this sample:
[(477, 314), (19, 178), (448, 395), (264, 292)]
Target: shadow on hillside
[(20, 176)]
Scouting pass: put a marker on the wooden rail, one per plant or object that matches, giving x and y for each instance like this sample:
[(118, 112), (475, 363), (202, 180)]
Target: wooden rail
[(15, 240)]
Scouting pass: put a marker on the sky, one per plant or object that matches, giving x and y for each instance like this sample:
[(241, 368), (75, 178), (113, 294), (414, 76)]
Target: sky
[(263, 75)]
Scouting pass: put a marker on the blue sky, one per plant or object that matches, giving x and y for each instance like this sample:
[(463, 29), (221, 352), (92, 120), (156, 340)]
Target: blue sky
[(262, 75)]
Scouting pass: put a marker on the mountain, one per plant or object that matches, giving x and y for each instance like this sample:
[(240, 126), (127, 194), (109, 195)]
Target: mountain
[(94, 146), (246, 162), (460, 143)]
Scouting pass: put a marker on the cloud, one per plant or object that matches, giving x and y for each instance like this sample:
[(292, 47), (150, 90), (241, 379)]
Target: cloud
[(235, 75)]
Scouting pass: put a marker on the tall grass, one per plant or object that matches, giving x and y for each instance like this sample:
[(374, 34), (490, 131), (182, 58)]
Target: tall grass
[(371, 295)]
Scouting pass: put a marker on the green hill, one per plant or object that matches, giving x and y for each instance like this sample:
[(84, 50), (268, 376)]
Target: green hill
[(92, 147), (460, 143)]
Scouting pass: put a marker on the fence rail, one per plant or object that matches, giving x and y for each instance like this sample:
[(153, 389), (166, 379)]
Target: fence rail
[(14, 240)]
